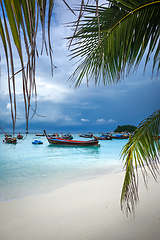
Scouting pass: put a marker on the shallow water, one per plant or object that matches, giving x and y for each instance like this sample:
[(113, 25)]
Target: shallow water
[(27, 169)]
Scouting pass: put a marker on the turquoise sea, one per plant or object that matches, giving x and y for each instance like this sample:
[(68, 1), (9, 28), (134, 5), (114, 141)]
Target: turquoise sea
[(27, 169)]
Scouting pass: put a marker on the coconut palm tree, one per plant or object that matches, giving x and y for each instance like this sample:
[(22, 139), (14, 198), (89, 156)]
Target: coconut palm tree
[(111, 41)]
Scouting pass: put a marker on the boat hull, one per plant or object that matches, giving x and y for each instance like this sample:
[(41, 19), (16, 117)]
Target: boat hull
[(40, 135), (86, 135), (19, 137), (102, 138), (66, 142), (37, 142), (10, 140), (119, 137)]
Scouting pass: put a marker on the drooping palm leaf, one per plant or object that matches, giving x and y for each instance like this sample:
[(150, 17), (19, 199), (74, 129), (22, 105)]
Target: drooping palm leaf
[(20, 23), (126, 35), (142, 150)]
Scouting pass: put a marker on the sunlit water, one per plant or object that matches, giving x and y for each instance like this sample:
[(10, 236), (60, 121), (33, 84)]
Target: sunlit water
[(27, 169)]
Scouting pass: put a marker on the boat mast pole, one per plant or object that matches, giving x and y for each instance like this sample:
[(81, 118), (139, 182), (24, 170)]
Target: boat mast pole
[(2, 130), (45, 133)]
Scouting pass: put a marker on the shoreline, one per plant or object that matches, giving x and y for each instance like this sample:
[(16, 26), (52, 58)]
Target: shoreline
[(63, 185), (87, 209)]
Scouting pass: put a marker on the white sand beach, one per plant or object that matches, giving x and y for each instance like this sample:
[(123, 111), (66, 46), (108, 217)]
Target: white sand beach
[(83, 210)]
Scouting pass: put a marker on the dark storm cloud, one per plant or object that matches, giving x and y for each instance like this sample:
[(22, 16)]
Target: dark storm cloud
[(87, 108)]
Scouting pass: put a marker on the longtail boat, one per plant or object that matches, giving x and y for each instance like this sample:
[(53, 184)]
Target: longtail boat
[(9, 139), (102, 137), (86, 135), (66, 142), (41, 135), (119, 136), (67, 136)]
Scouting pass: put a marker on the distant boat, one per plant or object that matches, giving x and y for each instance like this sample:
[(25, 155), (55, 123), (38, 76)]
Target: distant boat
[(103, 137), (37, 142), (19, 136), (119, 136), (53, 135), (66, 142), (104, 134), (66, 136), (9, 139), (37, 134), (85, 135)]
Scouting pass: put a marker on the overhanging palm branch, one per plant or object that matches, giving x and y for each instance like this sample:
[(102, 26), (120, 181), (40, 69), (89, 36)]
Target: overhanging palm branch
[(18, 28), (128, 31), (142, 150), (20, 21)]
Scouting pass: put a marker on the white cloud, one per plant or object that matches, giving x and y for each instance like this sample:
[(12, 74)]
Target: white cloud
[(85, 120), (68, 118), (103, 121), (111, 121), (89, 105), (100, 121)]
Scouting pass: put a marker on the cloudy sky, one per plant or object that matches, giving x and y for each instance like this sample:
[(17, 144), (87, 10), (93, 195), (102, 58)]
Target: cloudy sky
[(96, 109)]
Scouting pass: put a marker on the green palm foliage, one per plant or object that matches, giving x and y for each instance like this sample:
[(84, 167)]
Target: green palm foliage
[(141, 151), (19, 23), (111, 43)]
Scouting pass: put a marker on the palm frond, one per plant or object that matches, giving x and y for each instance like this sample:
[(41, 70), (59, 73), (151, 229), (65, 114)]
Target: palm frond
[(127, 32), (20, 24), (142, 151)]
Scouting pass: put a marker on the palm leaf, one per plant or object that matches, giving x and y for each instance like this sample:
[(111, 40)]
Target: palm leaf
[(22, 20), (23, 15), (126, 35), (10, 86), (142, 150)]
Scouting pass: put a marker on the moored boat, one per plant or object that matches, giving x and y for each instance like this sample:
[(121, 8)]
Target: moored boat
[(53, 135), (86, 135), (41, 135), (119, 136), (104, 134), (37, 142), (102, 137), (66, 136), (19, 136), (66, 142), (9, 139)]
